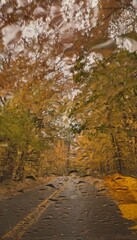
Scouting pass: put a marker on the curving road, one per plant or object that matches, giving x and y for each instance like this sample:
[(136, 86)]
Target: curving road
[(70, 208)]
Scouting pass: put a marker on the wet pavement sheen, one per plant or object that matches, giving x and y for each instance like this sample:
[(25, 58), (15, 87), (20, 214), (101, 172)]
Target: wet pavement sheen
[(79, 212)]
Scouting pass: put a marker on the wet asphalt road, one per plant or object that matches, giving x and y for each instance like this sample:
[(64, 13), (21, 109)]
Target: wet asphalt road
[(77, 211)]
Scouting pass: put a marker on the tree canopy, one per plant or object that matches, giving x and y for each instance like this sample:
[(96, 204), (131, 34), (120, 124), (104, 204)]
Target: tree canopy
[(68, 87)]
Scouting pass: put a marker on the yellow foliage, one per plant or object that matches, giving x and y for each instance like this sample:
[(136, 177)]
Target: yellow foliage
[(129, 211), (124, 190)]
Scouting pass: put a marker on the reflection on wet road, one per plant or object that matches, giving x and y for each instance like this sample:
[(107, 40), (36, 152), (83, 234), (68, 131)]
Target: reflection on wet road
[(68, 209)]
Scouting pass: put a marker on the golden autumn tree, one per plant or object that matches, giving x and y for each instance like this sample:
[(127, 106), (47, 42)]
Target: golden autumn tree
[(107, 106), (38, 49)]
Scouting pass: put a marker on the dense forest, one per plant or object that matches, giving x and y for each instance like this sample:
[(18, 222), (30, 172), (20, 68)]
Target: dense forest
[(68, 88)]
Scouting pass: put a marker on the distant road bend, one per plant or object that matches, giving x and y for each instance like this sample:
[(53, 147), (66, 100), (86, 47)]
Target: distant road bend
[(69, 208)]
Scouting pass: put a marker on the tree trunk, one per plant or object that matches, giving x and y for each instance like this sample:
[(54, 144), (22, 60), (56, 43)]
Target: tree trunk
[(117, 153)]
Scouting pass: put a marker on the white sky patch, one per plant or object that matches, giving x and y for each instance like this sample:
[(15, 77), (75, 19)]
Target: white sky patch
[(2, 2), (93, 3), (73, 18), (134, 3), (73, 93), (21, 3), (95, 16), (55, 11), (92, 58), (66, 31), (34, 28), (38, 10), (130, 44), (9, 10), (127, 43), (63, 66), (30, 31), (123, 24), (67, 46), (67, 9), (10, 33), (79, 15)]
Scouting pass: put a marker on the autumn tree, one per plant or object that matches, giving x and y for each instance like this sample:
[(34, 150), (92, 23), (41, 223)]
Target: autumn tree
[(107, 106), (38, 91)]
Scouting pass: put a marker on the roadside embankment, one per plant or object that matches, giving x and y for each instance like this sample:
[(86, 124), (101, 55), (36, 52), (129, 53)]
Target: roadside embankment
[(123, 189), (11, 188)]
